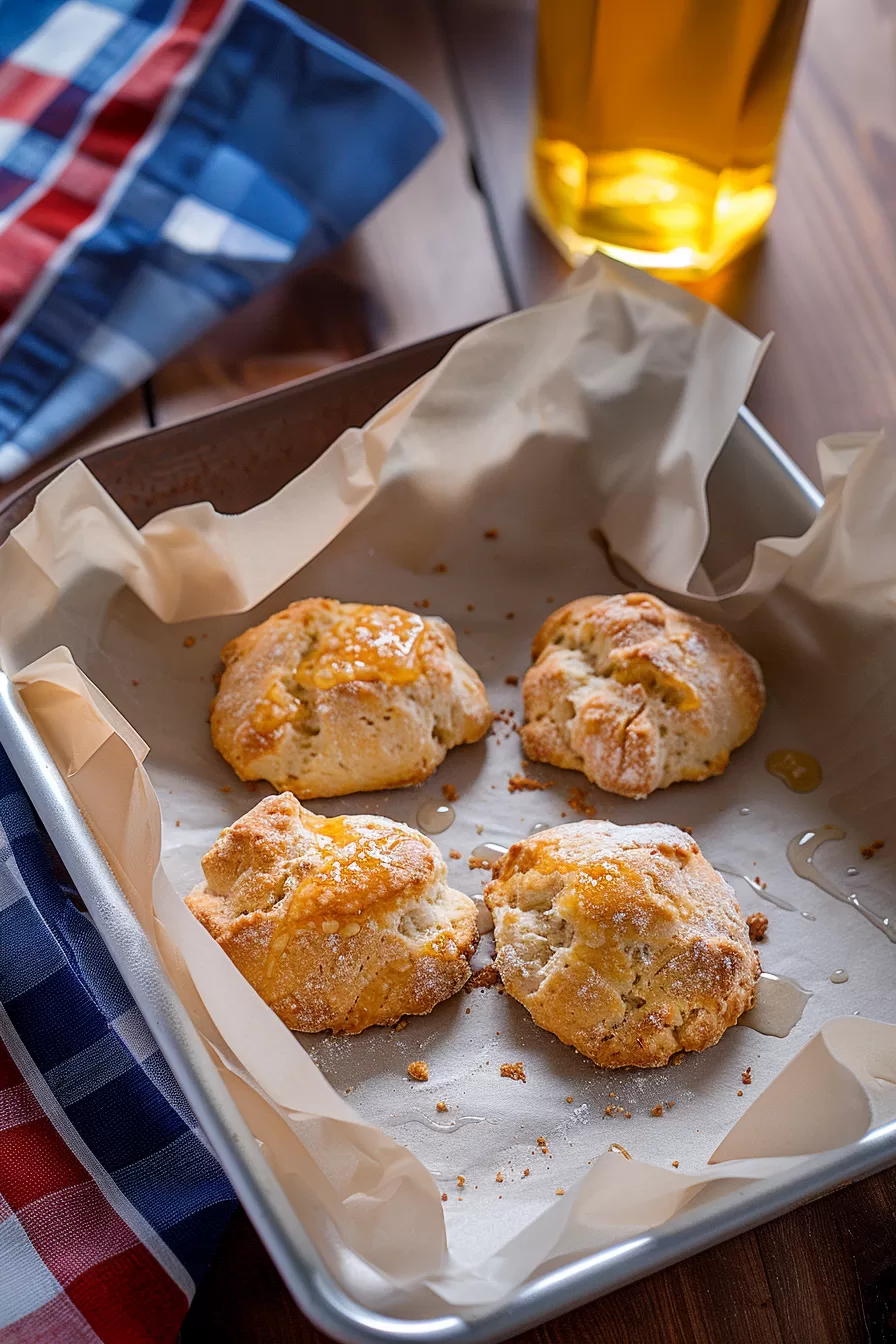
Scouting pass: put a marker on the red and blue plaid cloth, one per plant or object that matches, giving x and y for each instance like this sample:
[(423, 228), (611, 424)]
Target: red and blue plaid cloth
[(110, 1202), (160, 161)]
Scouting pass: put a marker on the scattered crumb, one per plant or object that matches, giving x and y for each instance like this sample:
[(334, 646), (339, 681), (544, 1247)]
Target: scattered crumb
[(441, 1107), (569, 1099), (444, 1199), (869, 851), (466, 1010), (467, 630), (479, 829), (578, 801), (524, 783), (135, 681), (549, 599), (669, 1105), (511, 680), (189, 641), (499, 1178), (628, 1115), (657, 1110), (440, 569), (612, 1096), (510, 615), (423, 603), (449, 793), (740, 1091), (747, 1076), (461, 1182), (479, 863), (418, 1071), (470, 607), (514, 1071), (675, 1162), (559, 1190), (400, 1024), (757, 923), (485, 978), (525, 1171), (491, 534), (347, 1090), (225, 788), (252, 786), (177, 823), (455, 854)]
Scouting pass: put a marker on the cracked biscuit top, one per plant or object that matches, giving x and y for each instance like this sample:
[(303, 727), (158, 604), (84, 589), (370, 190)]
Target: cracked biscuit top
[(621, 940), (329, 698), (637, 695)]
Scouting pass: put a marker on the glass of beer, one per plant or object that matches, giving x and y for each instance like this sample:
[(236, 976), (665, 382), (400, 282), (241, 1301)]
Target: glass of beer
[(657, 123)]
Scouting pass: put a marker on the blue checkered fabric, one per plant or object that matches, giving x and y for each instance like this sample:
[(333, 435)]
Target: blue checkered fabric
[(160, 162)]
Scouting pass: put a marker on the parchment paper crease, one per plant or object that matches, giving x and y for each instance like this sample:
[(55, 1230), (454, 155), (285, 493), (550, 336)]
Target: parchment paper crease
[(601, 410)]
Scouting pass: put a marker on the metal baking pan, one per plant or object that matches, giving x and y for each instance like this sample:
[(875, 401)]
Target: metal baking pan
[(235, 458)]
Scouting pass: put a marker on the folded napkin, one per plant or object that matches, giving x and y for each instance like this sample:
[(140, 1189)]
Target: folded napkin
[(160, 162), (111, 1203)]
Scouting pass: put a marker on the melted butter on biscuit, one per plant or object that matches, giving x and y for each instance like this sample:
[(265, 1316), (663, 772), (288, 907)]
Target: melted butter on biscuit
[(370, 644)]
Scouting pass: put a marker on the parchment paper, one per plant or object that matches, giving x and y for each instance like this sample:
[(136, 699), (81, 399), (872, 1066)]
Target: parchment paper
[(597, 415)]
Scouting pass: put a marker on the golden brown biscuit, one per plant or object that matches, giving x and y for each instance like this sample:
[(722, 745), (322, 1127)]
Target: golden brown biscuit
[(637, 695), (621, 940), (328, 698), (339, 923)]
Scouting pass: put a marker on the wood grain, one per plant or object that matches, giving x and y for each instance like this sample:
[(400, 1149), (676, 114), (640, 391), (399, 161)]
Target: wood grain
[(824, 280), (423, 263)]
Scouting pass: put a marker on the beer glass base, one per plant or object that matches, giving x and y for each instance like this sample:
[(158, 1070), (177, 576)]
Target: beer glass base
[(627, 214)]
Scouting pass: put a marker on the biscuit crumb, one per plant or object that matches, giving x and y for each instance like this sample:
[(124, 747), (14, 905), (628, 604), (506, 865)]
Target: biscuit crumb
[(225, 788), (470, 607), (418, 1071), (423, 603), (479, 863), (440, 568), (675, 1162), (135, 681), (525, 1171), (569, 1099), (511, 680), (549, 599), (740, 1091), (747, 1076), (525, 784), (444, 1199), (657, 1110), (559, 1190), (189, 641), (449, 793), (455, 854), (499, 1178), (578, 801), (612, 1096), (177, 823), (510, 615), (491, 534), (400, 1024), (869, 851), (485, 978), (441, 1107), (461, 1182), (479, 829), (628, 1115), (757, 923), (515, 1071)]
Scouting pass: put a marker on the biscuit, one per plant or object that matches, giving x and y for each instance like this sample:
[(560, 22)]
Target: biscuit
[(621, 940), (328, 698), (339, 923), (637, 695)]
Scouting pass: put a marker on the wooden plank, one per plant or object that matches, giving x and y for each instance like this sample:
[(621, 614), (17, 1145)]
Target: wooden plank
[(423, 263), (825, 278)]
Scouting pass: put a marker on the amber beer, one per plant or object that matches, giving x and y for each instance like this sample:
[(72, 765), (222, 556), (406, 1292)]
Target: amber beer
[(657, 123)]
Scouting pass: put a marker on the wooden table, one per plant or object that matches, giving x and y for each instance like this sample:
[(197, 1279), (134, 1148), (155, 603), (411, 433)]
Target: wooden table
[(455, 245)]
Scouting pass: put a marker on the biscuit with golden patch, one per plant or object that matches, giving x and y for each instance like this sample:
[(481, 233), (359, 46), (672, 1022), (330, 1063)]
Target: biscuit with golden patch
[(637, 695), (329, 698), (339, 923), (621, 940)]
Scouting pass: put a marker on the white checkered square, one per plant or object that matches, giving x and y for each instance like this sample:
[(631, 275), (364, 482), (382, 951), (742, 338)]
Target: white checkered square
[(196, 227), (10, 133), (117, 355), (68, 39)]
